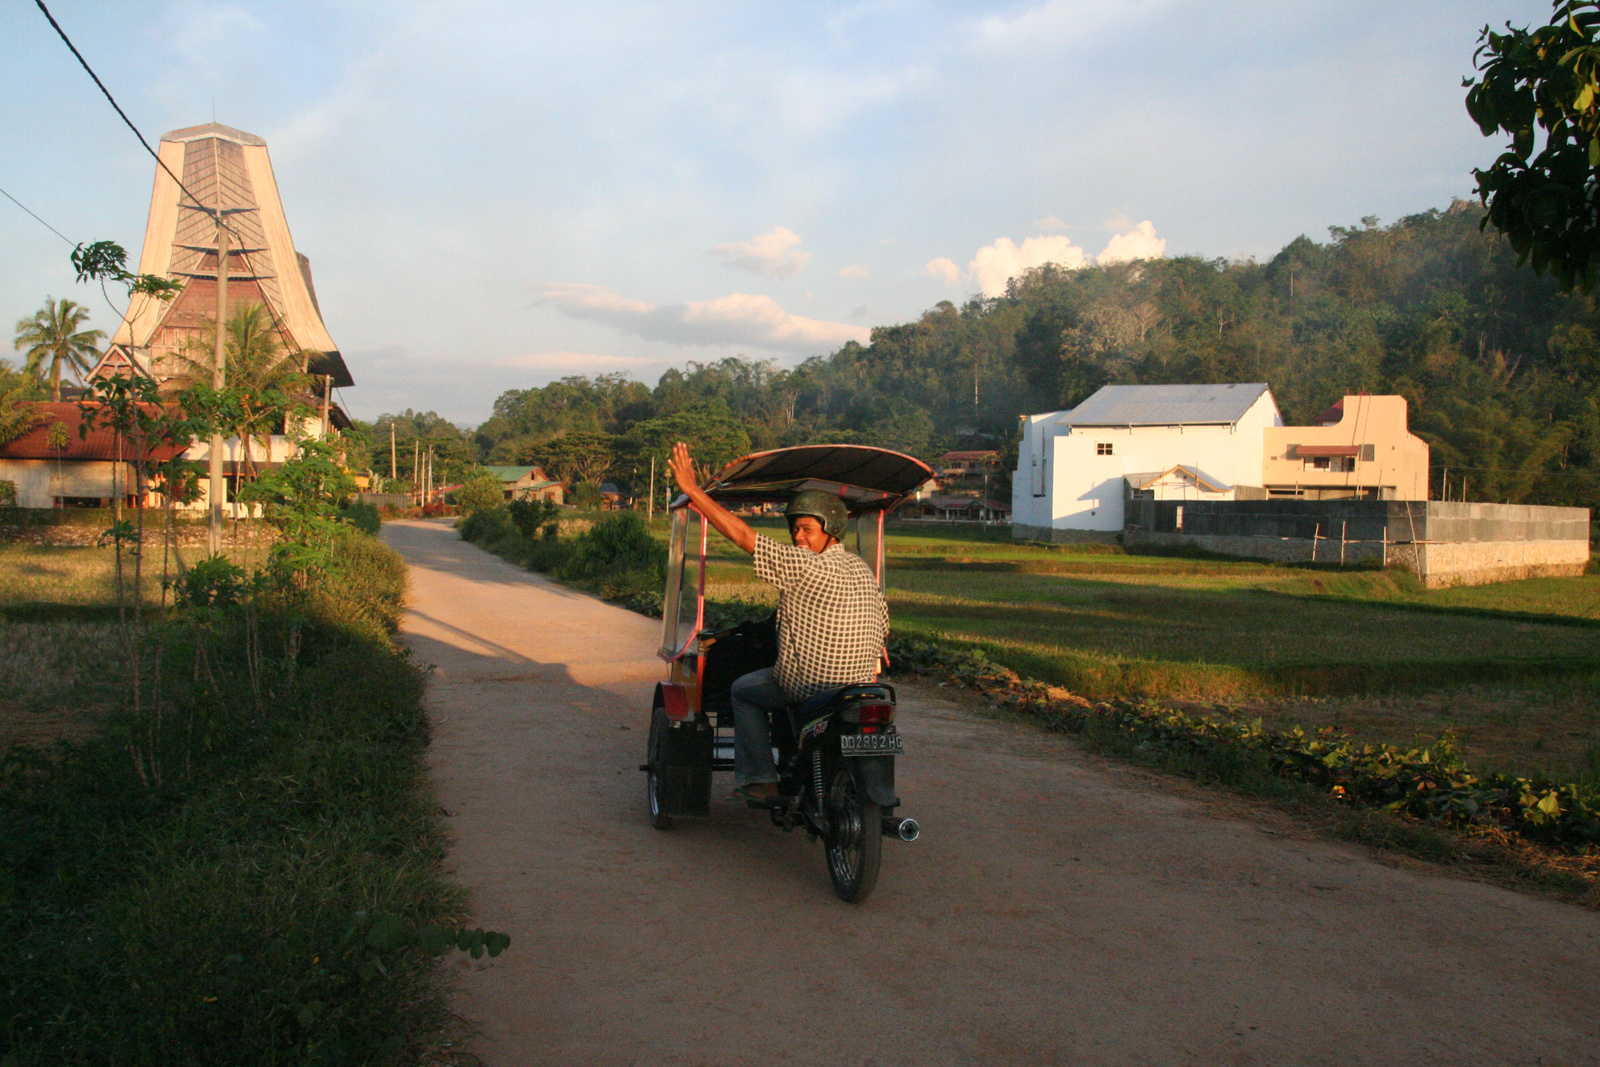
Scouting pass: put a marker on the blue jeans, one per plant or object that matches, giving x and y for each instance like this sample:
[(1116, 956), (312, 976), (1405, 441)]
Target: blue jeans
[(754, 696)]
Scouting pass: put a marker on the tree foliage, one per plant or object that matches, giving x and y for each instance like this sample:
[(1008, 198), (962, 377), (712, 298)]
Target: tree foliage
[(1540, 87)]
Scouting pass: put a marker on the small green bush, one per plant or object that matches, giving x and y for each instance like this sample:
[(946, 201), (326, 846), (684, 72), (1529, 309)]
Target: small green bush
[(478, 492), (362, 516), (535, 518), (618, 550)]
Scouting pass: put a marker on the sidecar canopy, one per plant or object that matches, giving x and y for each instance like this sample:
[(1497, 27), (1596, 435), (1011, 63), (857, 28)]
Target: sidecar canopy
[(867, 479)]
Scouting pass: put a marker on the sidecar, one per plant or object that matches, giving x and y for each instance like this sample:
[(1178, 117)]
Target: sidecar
[(691, 732)]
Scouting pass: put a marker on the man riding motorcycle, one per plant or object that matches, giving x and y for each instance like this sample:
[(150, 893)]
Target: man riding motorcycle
[(832, 619)]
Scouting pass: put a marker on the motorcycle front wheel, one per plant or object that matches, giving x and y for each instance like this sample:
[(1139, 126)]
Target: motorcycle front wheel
[(855, 838)]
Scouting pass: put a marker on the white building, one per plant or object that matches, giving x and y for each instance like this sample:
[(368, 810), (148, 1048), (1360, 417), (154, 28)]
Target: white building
[(1171, 442)]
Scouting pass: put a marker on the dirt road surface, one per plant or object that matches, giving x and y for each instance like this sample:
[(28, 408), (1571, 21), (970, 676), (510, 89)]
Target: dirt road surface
[(1058, 909)]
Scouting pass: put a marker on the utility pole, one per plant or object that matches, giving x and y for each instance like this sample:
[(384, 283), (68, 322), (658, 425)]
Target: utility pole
[(650, 494), (416, 470), (219, 379), (392, 475)]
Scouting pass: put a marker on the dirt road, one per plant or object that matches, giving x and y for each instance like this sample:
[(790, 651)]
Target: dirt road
[(1058, 910)]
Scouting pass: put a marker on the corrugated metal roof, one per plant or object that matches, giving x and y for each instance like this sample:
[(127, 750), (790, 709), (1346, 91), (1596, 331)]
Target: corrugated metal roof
[(1165, 405)]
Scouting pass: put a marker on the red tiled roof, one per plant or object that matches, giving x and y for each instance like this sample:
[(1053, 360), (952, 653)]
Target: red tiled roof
[(99, 443), (958, 457)]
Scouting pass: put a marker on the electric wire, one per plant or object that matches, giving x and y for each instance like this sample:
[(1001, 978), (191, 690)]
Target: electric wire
[(43, 223)]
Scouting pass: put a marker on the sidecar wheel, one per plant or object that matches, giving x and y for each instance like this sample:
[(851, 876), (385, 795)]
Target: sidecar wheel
[(854, 845), (654, 787)]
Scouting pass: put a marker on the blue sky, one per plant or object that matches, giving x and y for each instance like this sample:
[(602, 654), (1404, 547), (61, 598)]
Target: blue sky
[(495, 195)]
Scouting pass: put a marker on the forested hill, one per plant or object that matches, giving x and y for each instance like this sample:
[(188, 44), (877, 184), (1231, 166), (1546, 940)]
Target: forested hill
[(1502, 371)]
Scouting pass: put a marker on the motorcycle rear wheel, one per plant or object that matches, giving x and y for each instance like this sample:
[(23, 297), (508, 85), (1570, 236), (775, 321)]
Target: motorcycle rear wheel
[(854, 845)]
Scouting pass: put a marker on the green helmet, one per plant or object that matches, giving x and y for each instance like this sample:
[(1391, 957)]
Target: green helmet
[(823, 506)]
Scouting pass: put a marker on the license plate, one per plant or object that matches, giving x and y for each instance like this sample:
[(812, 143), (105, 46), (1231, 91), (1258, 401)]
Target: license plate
[(872, 745)]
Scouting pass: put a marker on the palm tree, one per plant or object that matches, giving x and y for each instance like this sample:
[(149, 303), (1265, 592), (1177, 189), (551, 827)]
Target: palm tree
[(257, 362), (52, 337)]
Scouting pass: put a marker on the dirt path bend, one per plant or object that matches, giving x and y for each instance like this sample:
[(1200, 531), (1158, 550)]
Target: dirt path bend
[(1056, 910)]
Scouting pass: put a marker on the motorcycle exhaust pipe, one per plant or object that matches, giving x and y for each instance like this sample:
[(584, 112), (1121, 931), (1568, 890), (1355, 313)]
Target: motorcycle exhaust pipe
[(904, 829)]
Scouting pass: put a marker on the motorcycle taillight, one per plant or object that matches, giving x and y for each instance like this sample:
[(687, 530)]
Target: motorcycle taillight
[(876, 714)]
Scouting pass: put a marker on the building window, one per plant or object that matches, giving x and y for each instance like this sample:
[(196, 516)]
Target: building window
[(1102, 448), (1332, 464)]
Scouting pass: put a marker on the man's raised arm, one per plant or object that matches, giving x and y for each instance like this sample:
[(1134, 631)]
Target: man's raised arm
[(727, 523)]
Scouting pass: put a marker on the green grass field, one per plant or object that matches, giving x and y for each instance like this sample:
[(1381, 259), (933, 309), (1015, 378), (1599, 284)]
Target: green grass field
[(1513, 669)]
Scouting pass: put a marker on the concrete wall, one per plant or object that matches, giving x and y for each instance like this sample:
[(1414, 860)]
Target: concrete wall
[(1444, 544)]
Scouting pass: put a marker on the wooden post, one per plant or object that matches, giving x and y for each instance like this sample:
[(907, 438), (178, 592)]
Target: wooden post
[(650, 494), (392, 475), (1316, 534), (1343, 524)]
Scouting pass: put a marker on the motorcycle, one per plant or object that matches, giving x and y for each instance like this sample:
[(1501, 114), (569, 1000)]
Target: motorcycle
[(835, 752)]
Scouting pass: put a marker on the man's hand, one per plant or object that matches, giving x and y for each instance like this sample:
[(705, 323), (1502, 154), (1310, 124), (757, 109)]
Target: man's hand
[(727, 523), (682, 468)]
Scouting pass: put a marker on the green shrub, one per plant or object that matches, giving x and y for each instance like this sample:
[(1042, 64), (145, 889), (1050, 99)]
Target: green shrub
[(363, 516), (8, 493), (535, 518), (617, 549), (478, 492)]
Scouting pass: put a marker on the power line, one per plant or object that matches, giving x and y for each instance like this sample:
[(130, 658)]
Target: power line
[(43, 223)]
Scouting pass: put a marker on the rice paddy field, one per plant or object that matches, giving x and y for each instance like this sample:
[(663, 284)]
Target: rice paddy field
[(1512, 670)]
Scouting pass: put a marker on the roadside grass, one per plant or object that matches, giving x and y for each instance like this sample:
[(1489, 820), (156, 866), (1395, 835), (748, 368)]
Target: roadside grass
[(250, 889)]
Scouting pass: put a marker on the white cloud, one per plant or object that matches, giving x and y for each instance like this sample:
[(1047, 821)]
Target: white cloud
[(1051, 224), (945, 270), (1140, 242), (773, 253), (736, 319), (855, 271), (997, 263)]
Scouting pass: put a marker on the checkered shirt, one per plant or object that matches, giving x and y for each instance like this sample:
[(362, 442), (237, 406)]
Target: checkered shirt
[(832, 619)]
